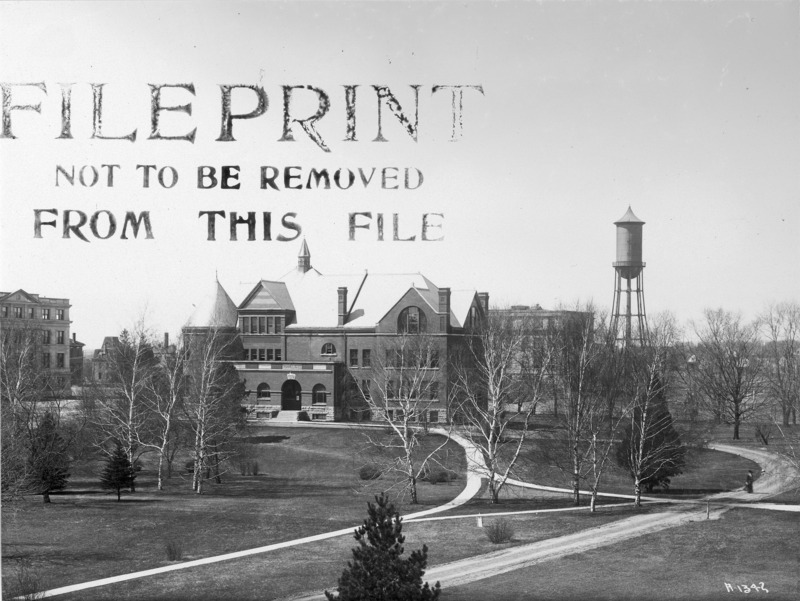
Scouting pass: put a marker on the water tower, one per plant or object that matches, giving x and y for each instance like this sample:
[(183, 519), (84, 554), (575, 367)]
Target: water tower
[(629, 321)]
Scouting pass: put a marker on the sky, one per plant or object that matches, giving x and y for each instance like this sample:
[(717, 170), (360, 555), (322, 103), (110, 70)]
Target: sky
[(689, 112)]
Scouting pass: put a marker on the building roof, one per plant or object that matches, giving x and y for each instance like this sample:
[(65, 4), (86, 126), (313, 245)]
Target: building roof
[(370, 296), (628, 217), (215, 310)]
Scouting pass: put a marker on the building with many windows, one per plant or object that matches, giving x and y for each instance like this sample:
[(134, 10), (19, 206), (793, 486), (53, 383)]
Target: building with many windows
[(307, 338), (42, 323)]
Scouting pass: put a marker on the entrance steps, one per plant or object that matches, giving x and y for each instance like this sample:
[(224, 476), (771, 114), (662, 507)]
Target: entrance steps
[(290, 416)]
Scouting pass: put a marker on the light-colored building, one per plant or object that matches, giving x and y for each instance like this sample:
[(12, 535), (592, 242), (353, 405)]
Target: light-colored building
[(43, 322)]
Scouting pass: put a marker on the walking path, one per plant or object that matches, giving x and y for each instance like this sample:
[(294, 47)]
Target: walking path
[(475, 467), (774, 479), (777, 476)]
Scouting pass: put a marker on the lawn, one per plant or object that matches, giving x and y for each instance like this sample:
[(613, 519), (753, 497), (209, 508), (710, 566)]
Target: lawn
[(307, 483), (693, 562), (705, 472)]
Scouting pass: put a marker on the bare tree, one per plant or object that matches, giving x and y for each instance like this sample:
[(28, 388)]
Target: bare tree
[(780, 324), (35, 441), (402, 385), (729, 368), (166, 390), (498, 383), (212, 403), (575, 376), (120, 408), (651, 448)]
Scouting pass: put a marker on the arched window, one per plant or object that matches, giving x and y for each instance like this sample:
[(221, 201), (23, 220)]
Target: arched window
[(412, 321), (262, 392), (319, 395), (328, 349)]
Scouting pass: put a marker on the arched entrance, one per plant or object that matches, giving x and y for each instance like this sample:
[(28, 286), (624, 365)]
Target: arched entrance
[(290, 396)]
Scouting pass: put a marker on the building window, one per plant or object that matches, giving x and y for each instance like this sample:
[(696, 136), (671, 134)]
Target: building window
[(270, 354), (278, 354), (434, 418), (319, 417), (5, 311), (390, 414), (18, 312), (318, 395), (60, 337), (47, 336), (31, 313), (366, 358), (433, 390), (60, 314), (412, 321), (45, 313), (353, 357), (45, 359), (328, 349), (262, 392), (278, 324), (390, 389), (365, 389), (262, 325), (262, 354), (59, 359)]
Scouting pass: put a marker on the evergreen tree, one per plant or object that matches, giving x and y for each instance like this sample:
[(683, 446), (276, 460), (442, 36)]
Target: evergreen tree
[(651, 448), (377, 572), (48, 459), (119, 472)]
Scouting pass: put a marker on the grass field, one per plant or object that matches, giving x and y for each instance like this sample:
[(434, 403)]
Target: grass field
[(694, 562), (307, 484)]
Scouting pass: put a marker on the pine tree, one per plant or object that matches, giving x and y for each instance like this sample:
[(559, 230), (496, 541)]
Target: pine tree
[(377, 572), (660, 455), (48, 459), (118, 473)]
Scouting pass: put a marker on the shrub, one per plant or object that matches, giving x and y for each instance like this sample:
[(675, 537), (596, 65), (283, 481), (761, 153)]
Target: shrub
[(254, 468), (499, 532), (174, 550), (25, 584), (442, 475), (369, 472)]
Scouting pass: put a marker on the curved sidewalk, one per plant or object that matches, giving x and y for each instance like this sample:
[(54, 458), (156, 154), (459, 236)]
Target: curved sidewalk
[(475, 466)]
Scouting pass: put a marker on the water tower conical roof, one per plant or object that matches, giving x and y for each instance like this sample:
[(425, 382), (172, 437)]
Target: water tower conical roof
[(628, 217), (214, 310)]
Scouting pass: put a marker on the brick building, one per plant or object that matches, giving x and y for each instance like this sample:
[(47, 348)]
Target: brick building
[(303, 336)]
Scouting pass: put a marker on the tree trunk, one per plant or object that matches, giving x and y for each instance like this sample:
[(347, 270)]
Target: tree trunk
[(576, 478), (160, 470), (593, 501), (119, 494), (46, 497), (637, 493)]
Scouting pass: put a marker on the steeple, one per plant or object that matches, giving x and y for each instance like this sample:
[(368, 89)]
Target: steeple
[(304, 258)]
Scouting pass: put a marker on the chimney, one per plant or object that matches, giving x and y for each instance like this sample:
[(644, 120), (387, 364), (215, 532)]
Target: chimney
[(483, 297), (342, 305), (74, 337), (166, 340), (444, 309)]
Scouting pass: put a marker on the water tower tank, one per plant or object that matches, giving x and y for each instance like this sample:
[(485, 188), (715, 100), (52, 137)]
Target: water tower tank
[(629, 245)]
